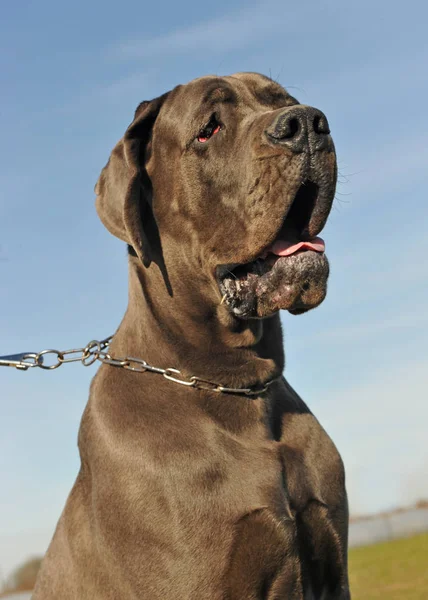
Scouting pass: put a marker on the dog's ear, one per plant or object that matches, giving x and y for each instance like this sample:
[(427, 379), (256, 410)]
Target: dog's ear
[(123, 189)]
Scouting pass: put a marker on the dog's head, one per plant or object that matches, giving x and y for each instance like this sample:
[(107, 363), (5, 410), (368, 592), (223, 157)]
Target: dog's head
[(229, 180)]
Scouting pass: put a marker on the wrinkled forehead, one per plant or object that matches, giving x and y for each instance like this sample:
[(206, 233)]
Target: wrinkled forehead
[(241, 89), (261, 89)]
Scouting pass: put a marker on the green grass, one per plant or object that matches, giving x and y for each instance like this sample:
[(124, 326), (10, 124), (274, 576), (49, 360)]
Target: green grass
[(396, 570)]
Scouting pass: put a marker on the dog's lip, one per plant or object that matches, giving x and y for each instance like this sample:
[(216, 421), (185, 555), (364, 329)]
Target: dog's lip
[(281, 249), (260, 288)]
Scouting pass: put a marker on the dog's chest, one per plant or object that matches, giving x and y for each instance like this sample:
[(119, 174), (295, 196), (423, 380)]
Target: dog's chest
[(185, 491)]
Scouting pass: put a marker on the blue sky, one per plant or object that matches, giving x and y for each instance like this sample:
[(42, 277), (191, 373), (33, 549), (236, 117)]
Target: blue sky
[(70, 78)]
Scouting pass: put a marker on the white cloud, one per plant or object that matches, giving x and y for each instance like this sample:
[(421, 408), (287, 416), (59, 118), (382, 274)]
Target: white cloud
[(223, 34), (133, 83), (368, 329), (220, 34), (379, 427)]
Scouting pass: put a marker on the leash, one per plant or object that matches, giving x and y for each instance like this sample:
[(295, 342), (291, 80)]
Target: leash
[(97, 350)]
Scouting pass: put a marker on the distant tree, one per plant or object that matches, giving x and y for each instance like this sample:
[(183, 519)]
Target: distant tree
[(24, 577)]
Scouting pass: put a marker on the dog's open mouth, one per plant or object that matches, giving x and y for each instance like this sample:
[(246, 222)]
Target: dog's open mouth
[(291, 272)]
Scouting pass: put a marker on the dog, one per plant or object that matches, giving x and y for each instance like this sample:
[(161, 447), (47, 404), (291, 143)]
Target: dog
[(205, 476)]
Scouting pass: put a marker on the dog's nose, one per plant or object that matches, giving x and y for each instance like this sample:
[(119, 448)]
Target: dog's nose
[(300, 128)]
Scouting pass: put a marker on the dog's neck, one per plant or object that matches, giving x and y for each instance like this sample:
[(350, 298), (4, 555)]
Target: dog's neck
[(184, 331)]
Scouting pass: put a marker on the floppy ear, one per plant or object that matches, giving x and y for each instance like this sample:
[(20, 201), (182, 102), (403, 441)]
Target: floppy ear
[(123, 189)]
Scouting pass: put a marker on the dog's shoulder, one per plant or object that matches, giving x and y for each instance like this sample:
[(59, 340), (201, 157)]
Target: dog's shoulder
[(313, 465)]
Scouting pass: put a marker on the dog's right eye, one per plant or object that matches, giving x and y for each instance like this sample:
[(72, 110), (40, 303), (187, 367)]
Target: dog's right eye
[(211, 128)]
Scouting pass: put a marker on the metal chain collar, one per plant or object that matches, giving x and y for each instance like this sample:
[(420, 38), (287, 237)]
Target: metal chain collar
[(97, 350)]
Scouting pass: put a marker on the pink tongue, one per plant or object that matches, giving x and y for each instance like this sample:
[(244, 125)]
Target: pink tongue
[(283, 248)]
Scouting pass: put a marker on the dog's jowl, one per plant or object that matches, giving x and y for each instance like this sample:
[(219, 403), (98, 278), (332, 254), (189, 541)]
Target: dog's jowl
[(211, 480)]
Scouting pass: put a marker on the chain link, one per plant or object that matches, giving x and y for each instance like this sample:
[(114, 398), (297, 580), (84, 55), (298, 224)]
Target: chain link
[(97, 350), (87, 356)]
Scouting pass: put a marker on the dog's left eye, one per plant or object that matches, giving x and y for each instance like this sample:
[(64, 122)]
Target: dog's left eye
[(211, 128)]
